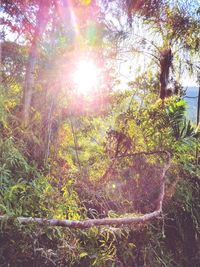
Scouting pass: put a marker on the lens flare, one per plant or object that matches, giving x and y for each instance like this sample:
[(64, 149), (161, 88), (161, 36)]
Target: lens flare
[(86, 77)]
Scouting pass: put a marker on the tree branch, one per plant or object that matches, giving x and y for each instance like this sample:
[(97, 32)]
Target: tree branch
[(86, 223)]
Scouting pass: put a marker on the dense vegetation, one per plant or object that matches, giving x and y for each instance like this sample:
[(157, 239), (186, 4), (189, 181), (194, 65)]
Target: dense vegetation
[(71, 154)]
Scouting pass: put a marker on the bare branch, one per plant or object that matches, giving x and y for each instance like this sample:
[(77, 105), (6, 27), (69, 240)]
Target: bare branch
[(86, 223)]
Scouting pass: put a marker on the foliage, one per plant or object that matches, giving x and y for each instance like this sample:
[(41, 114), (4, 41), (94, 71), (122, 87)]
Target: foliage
[(82, 157)]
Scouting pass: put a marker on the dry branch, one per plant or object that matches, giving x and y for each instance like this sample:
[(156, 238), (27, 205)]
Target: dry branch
[(81, 224), (87, 223)]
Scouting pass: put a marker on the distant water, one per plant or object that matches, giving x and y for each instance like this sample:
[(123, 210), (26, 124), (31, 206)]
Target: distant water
[(192, 102)]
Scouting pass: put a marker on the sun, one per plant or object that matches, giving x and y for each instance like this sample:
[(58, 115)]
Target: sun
[(86, 77)]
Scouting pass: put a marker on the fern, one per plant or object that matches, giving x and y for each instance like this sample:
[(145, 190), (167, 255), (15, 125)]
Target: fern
[(181, 128)]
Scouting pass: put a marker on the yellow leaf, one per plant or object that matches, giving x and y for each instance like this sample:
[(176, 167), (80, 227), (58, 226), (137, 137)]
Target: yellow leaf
[(83, 254), (85, 2)]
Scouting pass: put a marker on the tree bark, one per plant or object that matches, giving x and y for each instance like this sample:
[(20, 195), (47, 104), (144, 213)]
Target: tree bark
[(165, 64)]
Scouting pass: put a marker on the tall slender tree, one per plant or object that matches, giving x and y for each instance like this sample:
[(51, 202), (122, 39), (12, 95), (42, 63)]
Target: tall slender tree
[(41, 22)]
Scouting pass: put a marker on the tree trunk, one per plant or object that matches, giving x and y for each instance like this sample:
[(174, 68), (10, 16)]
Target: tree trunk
[(198, 119), (165, 64), (41, 21), (198, 107)]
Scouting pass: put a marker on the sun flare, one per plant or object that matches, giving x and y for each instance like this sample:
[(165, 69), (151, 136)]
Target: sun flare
[(86, 77)]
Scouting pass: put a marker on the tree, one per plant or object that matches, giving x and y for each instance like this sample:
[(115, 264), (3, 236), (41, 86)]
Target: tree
[(173, 25), (17, 20)]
